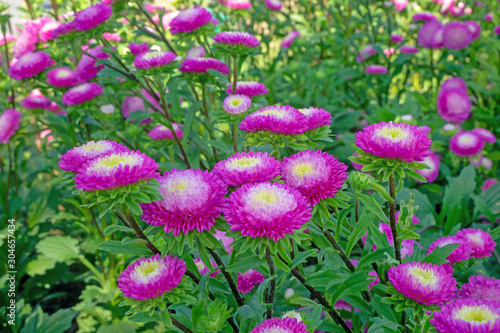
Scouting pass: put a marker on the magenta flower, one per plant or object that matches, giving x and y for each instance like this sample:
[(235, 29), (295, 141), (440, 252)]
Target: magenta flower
[(82, 93), (236, 104), (474, 28), (316, 175), (111, 36), (483, 244), (244, 168), (488, 183), (425, 283), (63, 29), (247, 281), (237, 4), (92, 17), (200, 65), (281, 325), (116, 169), (376, 69), (433, 162), (249, 88), (288, 40), (454, 83), (273, 4), (137, 49), (62, 77), (152, 277), (9, 124), (316, 117), (456, 35), (407, 49), (236, 38), (86, 68), (485, 135), (400, 4), (497, 30), (396, 38), (36, 102), (453, 104), (275, 119), (204, 269), (366, 53), (266, 209), (74, 158), (30, 65), (195, 52), (466, 143), (481, 288), (134, 103), (394, 141), (153, 59), (226, 241), (193, 199), (462, 252), (467, 315), (424, 16), (190, 19), (162, 132), (430, 34)]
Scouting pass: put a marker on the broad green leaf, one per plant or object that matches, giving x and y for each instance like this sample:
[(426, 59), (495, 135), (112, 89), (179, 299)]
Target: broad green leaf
[(59, 248), (439, 255), (116, 247)]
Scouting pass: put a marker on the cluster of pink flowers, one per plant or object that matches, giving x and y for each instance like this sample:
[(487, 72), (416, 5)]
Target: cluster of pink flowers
[(481, 288), (190, 19), (469, 143), (30, 65), (455, 35), (9, 124), (237, 4), (82, 93), (146, 60), (36, 31)]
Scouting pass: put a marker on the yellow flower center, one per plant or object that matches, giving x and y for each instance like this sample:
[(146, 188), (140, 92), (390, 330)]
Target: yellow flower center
[(476, 314), (305, 111), (264, 197), (150, 55), (63, 73), (424, 276), (147, 270), (303, 169), (235, 101), (179, 187), (92, 147), (275, 113), (81, 88), (395, 134), (242, 163)]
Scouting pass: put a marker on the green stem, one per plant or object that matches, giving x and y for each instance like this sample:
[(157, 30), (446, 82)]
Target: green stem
[(92, 268), (276, 149), (272, 287), (137, 230), (235, 137), (228, 277), (205, 111), (179, 325), (392, 213), (157, 28)]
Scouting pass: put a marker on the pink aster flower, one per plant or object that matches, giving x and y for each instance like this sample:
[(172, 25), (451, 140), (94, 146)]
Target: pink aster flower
[(236, 104), (456, 35), (30, 65), (407, 49), (285, 325), (92, 17), (488, 183), (236, 38), (400, 4), (9, 124), (474, 28), (424, 16), (162, 132), (237, 4), (190, 19), (454, 104), (483, 244), (376, 69), (119, 168), (466, 143), (467, 315), (196, 52), (7, 38), (111, 36), (266, 209), (497, 30), (316, 117), (488, 17), (200, 65), (275, 119), (316, 175), (288, 40), (244, 168), (167, 19), (273, 4), (86, 68), (152, 277), (366, 53), (454, 83), (462, 252), (249, 88), (82, 93), (134, 103), (204, 269), (396, 38), (394, 141), (247, 281), (433, 162), (484, 134), (193, 199), (63, 29), (226, 241), (36, 101), (481, 288), (425, 283), (62, 77), (430, 34), (137, 49), (153, 59)]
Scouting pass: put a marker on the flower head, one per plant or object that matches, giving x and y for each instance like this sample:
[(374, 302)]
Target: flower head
[(466, 143), (86, 68), (236, 104), (134, 103), (454, 83), (290, 37), (432, 162), (497, 30), (376, 69), (236, 38), (408, 49), (153, 59), (193, 199), (462, 252), (62, 77), (453, 104), (203, 269), (63, 29), (456, 35), (430, 34), (244, 168), (29, 65), (397, 38), (394, 141), (316, 117), (92, 17), (273, 4), (316, 175), (237, 4), (424, 16), (247, 281), (481, 288), (488, 183), (195, 52), (468, 315), (276, 119), (36, 102), (266, 209), (200, 65), (116, 169), (82, 93), (137, 49), (281, 325), (366, 53), (474, 28), (423, 282), (190, 19), (249, 88), (483, 244), (151, 277), (162, 132), (9, 124), (484, 134)]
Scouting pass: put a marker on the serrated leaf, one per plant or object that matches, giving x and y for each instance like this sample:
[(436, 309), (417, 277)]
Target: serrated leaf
[(59, 248)]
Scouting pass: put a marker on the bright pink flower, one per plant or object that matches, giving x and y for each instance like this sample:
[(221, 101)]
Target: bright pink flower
[(167, 19), (396, 38), (86, 68), (483, 244), (153, 59), (481, 288), (288, 40), (137, 49), (134, 103), (111, 36), (497, 30), (488, 183), (488, 17), (236, 38), (424, 16), (226, 241), (430, 35), (400, 4), (47, 27), (82, 93), (7, 38), (162, 132), (62, 77), (316, 117), (273, 4), (275, 119), (201, 65), (484, 134), (249, 88), (407, 49), (247, 281), (196, 52), (366, 53), (29, 65), (474, 28), (456, 35), (237, 4), (9, 124), (92, 17), (454, 104), (376, 69), (204, 269), (454, 82), (466, 143), (63, 29), (36, 101), (462, 252), (190, 19), (433, 162), (236, 104)]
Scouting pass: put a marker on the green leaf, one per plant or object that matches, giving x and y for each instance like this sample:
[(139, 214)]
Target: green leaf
[(116, 247), (359, 231), (202, 250), (144, 317), (372, 205), (40, 265), (59, 322), (302, 256), (133, 206), (197, 314), (355, 283), (59, 248), (439, 255), (113, 228), (245, 265), (218, 75), (377, 255), (458, 189)]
